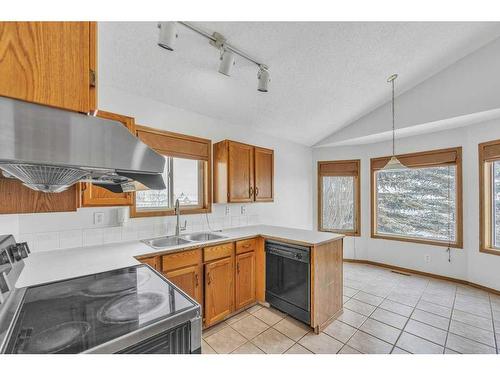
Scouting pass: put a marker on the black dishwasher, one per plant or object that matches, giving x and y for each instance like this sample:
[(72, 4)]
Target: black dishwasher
[(288, 279)]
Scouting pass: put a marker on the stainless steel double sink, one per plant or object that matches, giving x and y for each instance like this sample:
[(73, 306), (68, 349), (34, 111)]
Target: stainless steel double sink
[(171, 241)]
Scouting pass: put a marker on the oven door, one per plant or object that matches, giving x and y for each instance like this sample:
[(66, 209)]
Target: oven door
[(287, 283)]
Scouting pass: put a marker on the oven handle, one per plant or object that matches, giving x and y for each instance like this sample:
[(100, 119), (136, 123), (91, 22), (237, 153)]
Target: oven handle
[(288, 254)]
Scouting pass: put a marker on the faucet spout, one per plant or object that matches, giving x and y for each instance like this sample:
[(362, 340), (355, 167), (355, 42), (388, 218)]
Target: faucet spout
[(177, 211)]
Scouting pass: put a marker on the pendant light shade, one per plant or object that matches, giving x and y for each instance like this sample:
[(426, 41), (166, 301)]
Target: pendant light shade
[(393, 164)]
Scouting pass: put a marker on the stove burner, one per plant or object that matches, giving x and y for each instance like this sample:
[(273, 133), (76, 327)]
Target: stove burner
[(116, 284), (56, 338), (129, 308)]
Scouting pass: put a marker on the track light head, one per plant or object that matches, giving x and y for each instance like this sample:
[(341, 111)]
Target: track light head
[(226, 62), (263, 78), (168, 35)]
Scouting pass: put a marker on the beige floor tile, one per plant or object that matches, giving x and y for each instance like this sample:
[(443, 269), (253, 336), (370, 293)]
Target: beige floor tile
[(345, 299), (449, 351), (249, 327), (214, 329), (254, 308), (298, 349), (352, 318), (396, 307), (380, 330), (292, 328), (225, 341), (368, 298), (321, 344), (473, 333), (397, 350), (481, 309), (206, 349), (390, 318), (425, 331), (473, 320), (272, 342), (497, 327), (348, 350), (438, 299), (465, 346), (349, 292), (359, 307), (340, 331), (269, 316), (404, 298), (417, 345), (368, 344), (237, 317), (431, 319), (435, 309), (247, 348)]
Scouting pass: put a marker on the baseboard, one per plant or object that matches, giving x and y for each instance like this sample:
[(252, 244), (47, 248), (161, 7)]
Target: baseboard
[(422, 273)]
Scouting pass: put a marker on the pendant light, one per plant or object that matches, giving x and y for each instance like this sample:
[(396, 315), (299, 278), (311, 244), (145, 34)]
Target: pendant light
[(393, 164)]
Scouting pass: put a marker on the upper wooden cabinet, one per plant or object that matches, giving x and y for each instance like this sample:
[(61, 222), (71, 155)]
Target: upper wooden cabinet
[(243, 173), (51, 63), (94, 196)]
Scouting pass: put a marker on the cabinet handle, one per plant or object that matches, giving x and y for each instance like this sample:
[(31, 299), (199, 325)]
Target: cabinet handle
[(251, 191), (196, 279), (256, 191), (237, 267), (208, 277)]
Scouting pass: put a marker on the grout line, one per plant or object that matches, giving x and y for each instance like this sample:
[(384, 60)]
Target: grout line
[(493, 323)]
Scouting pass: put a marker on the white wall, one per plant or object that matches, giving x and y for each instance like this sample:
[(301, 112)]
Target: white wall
[(467, 263), (293, 186)]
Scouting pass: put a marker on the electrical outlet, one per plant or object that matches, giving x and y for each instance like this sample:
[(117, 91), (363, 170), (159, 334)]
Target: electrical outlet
[(427, 258), (243, 210), (98, 218), (228, 211)]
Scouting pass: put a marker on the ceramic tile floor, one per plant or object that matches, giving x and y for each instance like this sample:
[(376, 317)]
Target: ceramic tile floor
[(384, 312)]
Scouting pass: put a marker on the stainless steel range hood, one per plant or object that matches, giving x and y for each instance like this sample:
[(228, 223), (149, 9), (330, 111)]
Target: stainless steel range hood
[(50, 149)]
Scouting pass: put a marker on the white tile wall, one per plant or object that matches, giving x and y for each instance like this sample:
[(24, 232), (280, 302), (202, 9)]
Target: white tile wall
[(76, 229)]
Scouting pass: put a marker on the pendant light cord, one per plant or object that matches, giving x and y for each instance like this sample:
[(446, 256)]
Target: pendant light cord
[(393, 121), (449, 215)]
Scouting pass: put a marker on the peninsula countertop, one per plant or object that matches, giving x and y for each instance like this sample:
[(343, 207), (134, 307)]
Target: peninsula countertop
[(50, 266)]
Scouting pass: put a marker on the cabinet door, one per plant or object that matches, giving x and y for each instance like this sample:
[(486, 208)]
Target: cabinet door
[(264, 175), (219, 292), (241, 183), (94, 196), (49, 63), (189, 280), (152, 261), (245, 279)]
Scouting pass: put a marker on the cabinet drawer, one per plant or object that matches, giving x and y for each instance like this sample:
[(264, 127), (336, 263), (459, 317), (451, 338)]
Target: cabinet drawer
[(181, 259), (217, 252), (245, 246)]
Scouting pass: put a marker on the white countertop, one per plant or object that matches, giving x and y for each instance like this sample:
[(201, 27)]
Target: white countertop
[(62, 264)]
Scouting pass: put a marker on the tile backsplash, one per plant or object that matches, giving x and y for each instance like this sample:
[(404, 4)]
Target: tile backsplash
[(63, 230)]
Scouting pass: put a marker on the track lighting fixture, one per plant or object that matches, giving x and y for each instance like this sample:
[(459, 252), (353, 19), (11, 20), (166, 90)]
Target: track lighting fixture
[(168, 35), (226, 62), (263, 79)]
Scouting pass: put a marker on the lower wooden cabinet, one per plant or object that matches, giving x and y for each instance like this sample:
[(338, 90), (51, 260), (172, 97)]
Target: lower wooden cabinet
[(189, 280), (219, 292), (152, 261), (245, 279)]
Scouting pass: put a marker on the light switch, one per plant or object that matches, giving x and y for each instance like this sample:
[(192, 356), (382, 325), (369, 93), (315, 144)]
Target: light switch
[(98, 218)]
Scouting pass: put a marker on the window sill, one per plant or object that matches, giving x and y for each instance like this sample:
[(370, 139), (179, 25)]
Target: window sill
[(455, 245), (186, 211), (489, 250), (346, 233)]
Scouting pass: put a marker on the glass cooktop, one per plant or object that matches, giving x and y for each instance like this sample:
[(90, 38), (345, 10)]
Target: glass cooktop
[(74, 315)]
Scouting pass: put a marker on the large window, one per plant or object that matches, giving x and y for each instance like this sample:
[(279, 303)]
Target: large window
[(421, 203), (489, 175), (339, 197), (186, 175)]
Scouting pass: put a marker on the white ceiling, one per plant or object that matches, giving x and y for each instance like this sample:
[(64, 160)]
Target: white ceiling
[(324, 75)]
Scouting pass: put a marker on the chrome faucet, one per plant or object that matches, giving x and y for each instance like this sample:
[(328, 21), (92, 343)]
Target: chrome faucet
[(177, 211)]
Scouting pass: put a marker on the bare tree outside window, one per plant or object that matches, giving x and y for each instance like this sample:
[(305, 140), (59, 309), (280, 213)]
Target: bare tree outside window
[(496, 203), (338, 213)]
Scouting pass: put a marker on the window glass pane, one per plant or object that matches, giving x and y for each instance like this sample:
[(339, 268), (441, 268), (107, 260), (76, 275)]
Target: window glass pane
[(155, 199), (338, 203), (186, 175), (496, 203), (417, 202)]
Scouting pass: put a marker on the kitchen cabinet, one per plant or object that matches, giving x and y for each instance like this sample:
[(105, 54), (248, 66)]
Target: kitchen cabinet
[(151, 261), (189, 280), (245, 280), (219, 292), (94, 196), (242, 173), (51, 63)]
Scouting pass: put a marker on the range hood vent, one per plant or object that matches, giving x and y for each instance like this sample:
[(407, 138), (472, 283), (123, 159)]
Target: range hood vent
[(51, 149)]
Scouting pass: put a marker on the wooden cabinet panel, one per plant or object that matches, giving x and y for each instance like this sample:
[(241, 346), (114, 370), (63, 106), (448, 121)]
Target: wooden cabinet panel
[(189, 280), (245, 280), (217, 252), (48, 63), (264, 175), (219, 292), (151, 261), (94, 196), (181, 259), (241, 182), (245, 246)]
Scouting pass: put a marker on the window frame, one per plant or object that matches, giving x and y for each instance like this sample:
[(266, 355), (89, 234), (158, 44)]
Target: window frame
[(341, 168), (433, 158), (488, 152), (179, 146)]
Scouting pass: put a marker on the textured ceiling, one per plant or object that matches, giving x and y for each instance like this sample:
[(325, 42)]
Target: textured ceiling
[(324, 75)]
